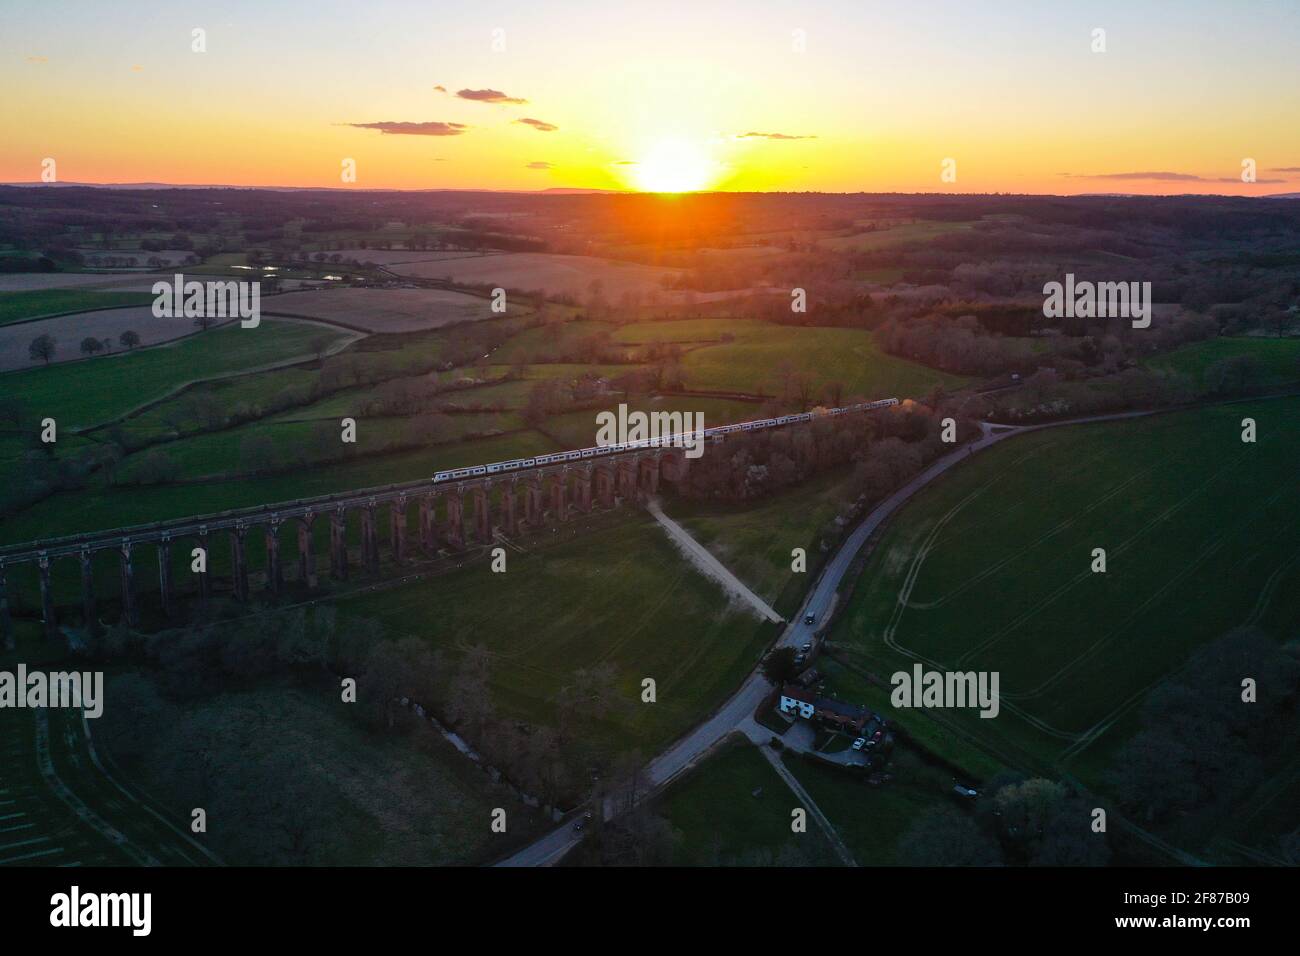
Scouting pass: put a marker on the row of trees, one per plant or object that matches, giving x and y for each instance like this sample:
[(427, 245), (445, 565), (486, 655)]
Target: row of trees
[(885, 448), (44, 347)]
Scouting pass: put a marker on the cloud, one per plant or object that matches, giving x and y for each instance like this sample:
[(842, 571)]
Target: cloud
[(414, 129), (1163, 176), (440, 88), (627, 162), (538, 125), (752, 135), (38, 59), (1166, 177), (1238, 179), (489, 96), (539, 164), (1279, 169)]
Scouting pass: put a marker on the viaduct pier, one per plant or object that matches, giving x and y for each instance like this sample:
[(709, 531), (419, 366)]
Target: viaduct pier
[(441, 518)]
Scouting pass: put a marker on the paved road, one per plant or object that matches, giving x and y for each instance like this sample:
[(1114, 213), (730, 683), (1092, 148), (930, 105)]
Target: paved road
[(687, 751)]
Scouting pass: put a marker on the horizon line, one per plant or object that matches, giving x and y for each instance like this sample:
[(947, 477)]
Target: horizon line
[(580, 190)]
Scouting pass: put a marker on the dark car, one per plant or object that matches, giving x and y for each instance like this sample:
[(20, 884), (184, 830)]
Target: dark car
[(810, 618)]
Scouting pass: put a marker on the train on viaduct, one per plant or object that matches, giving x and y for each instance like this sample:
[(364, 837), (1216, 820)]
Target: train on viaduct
[(529, 493)]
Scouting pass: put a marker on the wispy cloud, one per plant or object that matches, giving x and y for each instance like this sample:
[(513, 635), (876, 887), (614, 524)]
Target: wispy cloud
[(1165, 176), (538, 124), (1285, 169), (414, 129), (38, 59), (1162, 176), (539, 164), (489, 96), (753, 135)]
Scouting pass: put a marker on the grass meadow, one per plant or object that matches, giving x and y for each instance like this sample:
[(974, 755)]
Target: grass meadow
[(989, 569)]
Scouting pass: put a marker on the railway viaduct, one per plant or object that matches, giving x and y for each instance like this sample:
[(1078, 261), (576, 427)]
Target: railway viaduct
[(451, 516)]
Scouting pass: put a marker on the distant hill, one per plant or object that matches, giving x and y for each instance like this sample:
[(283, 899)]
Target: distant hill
[(555, 190), (571, 190)]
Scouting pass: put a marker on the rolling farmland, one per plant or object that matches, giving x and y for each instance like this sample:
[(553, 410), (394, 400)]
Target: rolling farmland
[(989, 569)]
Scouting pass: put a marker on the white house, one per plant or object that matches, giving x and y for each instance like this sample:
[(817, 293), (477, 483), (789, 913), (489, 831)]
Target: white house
[(797, 700)]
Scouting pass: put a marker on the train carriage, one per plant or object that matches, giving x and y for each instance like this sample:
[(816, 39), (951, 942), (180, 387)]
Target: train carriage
[(663, 441)]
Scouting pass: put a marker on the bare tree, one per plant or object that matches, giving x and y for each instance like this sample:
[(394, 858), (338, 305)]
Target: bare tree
[(42, 348)]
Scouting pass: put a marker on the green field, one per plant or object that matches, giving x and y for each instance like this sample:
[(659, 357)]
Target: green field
[(15, 306), (78, 394), (622, 596), (754, 541), (548, 341), (227, 394), (754, 360), (734, 810), (1279, 359), (297, 443), (579, 429), (988, 569), (870, 819), (114, 507), (376, 358)]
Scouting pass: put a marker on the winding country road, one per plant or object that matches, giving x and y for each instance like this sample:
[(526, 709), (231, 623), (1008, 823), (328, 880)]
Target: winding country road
[(697, 743), (688, 750)]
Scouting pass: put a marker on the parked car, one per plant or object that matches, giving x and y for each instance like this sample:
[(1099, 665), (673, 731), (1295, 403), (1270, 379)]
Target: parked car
[(807, 647), (799, 659), (810, 618), (858, 744), (965, 792)]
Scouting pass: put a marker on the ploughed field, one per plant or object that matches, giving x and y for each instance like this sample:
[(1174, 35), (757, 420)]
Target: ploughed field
[(383, 310), (545, 272)]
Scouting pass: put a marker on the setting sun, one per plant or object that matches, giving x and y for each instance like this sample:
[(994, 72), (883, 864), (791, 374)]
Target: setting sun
[(675, 166)]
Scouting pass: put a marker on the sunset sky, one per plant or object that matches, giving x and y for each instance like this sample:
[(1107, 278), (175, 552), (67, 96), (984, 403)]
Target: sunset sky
[(657, 95)]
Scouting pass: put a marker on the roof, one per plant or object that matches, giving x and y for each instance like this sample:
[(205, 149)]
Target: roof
[(841, 709), (795, 692)]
